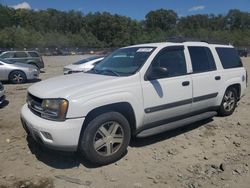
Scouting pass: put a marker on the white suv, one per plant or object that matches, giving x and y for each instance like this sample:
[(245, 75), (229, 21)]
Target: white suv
[(138, 91)]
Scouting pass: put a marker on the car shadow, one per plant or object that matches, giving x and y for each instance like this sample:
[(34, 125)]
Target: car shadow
[(27, 82), (33, 81), (4, 104), (67, 160), (141, 142), (57, 159)]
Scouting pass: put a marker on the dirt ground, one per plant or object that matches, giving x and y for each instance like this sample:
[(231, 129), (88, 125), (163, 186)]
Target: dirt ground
[(207, 154)]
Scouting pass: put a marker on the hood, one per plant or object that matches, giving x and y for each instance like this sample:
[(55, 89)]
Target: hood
[(23, 65), (75, 67), (68, 86)]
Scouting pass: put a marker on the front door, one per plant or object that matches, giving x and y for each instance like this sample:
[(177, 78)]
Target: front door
[(167, 87)]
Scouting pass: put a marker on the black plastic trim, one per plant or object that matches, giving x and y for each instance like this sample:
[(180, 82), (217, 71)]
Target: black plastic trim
[(180, 103), (173, 119)]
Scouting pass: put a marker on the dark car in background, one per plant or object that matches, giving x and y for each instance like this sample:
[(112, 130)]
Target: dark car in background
[(28, 57), (243, 53)]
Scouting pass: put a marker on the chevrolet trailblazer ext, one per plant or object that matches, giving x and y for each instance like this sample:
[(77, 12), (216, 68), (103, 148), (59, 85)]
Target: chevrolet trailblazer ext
[(139, 91)]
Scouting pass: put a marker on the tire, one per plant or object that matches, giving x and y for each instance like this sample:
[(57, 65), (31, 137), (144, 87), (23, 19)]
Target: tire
[(105, 139), (229, 102), (17, 77)]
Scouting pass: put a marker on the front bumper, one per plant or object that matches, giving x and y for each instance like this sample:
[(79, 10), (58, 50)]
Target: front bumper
[(33, 75), (56, 135)]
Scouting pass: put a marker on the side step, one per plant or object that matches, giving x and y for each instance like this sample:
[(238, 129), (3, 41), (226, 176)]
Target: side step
[(175, 124)]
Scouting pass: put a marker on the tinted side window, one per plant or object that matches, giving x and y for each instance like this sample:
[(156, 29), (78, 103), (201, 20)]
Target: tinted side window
[(20, 54), (202, 59), (173, 60), (229, 58), (33, 54), (7, 55)]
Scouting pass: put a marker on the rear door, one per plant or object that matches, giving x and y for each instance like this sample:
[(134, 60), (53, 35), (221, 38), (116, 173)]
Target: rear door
[(21, 57), (167, 95), (205, 77)]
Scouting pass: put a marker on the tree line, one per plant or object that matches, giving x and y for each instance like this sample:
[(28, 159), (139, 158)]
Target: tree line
[(53, 28)]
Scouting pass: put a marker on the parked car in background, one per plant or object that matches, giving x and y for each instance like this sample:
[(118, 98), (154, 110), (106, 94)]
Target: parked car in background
[(17, 73), (28, 57), (2, 96), (243, 53), (83, 65)]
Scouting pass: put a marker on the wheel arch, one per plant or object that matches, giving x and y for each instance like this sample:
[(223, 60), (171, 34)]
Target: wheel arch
[(16, 70), (124, 108), (237, 86)]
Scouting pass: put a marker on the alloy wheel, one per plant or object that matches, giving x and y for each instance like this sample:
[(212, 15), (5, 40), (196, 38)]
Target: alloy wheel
[(108, 138), (229, 100), (18, 78)]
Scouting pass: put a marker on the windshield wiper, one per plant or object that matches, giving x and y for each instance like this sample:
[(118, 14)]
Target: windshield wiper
[(113, 72), (98, 71)]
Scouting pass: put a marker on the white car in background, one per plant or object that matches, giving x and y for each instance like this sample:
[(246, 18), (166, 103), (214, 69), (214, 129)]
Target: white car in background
[(83, 65)]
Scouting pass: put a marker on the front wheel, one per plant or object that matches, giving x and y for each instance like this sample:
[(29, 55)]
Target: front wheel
[(229, 102), (17, 77), (106, 138)]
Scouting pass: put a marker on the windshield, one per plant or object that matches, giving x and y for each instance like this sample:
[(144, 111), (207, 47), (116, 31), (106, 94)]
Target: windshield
[(6, 61), (86, 60), (124, 61)]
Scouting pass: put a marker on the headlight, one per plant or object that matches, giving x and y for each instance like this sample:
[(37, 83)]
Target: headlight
[(32, 69), (54, 109)]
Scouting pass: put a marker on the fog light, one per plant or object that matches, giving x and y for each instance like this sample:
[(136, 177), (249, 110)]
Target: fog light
[(47, 135)]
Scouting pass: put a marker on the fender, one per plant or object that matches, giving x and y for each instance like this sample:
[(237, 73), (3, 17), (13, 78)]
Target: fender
[(89, 103), (226, 84)]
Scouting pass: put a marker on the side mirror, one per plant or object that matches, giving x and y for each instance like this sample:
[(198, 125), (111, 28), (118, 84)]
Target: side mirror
[(157, 72)]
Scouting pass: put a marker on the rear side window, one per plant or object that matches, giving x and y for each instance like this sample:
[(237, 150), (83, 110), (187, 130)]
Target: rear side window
[(20, 54), (202, 59), (229, 58), (33, 54)]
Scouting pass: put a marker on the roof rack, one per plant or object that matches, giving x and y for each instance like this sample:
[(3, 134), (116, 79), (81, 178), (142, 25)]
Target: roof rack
[(185, 39)]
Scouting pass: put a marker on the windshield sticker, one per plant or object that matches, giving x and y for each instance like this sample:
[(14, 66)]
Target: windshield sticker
[(144, 50)]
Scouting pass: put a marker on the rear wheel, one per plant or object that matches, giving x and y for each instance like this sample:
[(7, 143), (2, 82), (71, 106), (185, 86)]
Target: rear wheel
[(17, 77), (229, 102), (105, 138)]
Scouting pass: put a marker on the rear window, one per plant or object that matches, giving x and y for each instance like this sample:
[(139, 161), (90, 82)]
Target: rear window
[(202, 59), (229, 58), (33, 54)]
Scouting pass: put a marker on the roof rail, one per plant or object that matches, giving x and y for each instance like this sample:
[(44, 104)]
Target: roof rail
[(186, 39)]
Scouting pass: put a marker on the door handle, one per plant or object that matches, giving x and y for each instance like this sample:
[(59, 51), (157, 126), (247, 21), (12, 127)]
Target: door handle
[(186, 83), (217, 78)]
